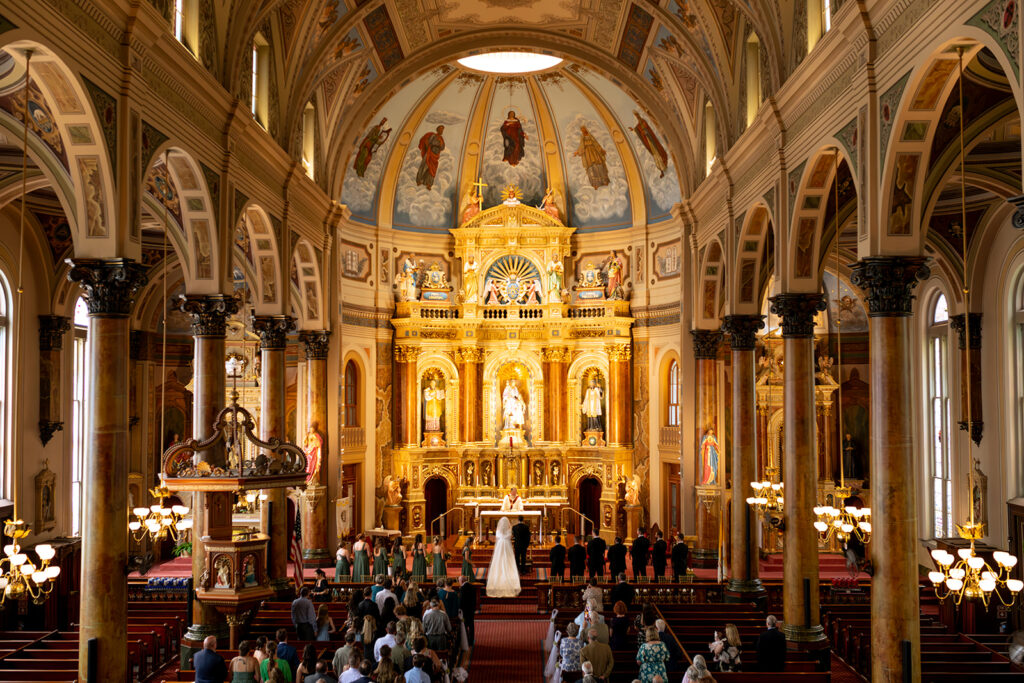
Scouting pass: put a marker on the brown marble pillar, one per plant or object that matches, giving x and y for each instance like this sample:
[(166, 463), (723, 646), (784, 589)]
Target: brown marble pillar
[(406, 396), (471, 404), (109, 287), (744, 583), (314, 499), (709, 499), (620, 395), (211, 512), (970, 356), (889, 283), (273, 332), (558, 422), (800, 468)]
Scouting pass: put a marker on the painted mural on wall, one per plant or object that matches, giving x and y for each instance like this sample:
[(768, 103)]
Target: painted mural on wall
[(668, 260), (844, 307), (355, 261), (610, 269), (511, 149)]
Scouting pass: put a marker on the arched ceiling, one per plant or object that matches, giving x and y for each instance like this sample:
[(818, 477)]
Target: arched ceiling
[(632, 179)]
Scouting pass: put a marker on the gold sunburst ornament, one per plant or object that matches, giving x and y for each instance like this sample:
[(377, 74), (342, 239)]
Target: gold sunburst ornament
[(511, 194)]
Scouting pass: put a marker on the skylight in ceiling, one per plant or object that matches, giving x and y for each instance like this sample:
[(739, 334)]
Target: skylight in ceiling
[(510, 62)]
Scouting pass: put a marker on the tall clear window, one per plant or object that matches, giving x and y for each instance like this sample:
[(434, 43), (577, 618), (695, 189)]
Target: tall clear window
[(79, 390), (350, 395), (753, 84), (179, 19), (308, 138), (819, 20), (939, 434), (260, 78), (673, 394), (710, 138), (6, 371)]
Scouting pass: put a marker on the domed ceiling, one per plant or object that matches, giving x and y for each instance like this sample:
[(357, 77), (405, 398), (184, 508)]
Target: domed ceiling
[(567, 128)]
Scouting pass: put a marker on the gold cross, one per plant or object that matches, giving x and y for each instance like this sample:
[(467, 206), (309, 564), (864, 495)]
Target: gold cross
[(480, 185)]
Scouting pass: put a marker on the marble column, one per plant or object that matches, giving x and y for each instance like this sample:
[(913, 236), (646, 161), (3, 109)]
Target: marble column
[(558, 425), (744, 583), (273, 333), (973, 358), (800, 468), (211, 512), (471, 403), (709, 501), (620, 395), (314, 499), (109, 287), (889, 283), (406, 396)]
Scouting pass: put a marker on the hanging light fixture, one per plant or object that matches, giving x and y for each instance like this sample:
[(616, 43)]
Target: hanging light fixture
[(158, 521), (971, 576), (841, 522), (19, 577), (768, 496)]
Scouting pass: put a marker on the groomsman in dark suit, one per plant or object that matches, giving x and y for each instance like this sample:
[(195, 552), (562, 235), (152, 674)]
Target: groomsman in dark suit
[(521, 542), (680, 557), (595, 556), (557, 557), (617, 557), (577, 559), (639, 552), (659, 556)]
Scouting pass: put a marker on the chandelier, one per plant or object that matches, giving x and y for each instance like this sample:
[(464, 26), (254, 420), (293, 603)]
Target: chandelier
[(21, 578), (159, 521), (971, 576), (848, 520)]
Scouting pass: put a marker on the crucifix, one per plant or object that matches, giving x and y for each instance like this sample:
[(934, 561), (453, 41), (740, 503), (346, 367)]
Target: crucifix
[(480, 185)]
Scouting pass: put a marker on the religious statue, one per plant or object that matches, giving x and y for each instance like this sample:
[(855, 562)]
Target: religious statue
[(979, 493), (470, 203), (313, 446), (393, 491), (532, 292), (650, 142), (492, 295), (513, 410), (556, 474), (556, 274), (469, 473), (851, 459), (591, 407), (549, 204), (614, 286), (375, 137), (590, 276), (709, 458), (433, 406), (538, 473), (485, 473), (513, 138), (431, 145), (406, 279), (592, 156), (223, 574), (632, 494), (469, 281), (512, 502)]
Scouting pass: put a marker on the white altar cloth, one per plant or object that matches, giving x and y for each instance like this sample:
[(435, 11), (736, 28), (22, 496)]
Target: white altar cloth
[(513, 516)]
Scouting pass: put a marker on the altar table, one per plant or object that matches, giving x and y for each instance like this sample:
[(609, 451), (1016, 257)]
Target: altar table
[(512, 515)]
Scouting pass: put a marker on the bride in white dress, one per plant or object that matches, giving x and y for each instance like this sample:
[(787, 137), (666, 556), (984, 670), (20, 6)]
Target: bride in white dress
[(503, 576)]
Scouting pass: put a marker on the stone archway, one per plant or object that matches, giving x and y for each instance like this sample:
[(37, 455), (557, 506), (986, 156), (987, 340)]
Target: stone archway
[(588, 497), (435, 492)]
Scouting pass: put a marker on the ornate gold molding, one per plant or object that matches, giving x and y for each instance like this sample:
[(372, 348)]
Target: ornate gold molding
[(620, 352), (469, 354), (406, 354), (555, 354)]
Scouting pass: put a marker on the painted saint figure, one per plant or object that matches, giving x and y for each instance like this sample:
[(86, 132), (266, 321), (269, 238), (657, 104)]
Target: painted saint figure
[(431, 145), (313, 446), (591, 407), (709, 458), (514, 139), (513, 409), (650, 142), (433, 407), (374, 139), (614, 287), (549, 204), (592, 155)]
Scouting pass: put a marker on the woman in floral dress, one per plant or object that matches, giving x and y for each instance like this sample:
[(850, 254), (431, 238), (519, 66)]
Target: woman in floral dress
[(651, 657)]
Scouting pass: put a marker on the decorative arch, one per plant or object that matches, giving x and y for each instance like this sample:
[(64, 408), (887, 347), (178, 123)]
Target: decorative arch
[(436, 361), (351, 390), (711, 279), (307, 285), (668, 359), (585, 472), (64, 111), (256, 236), (492, 391), (745, 293)]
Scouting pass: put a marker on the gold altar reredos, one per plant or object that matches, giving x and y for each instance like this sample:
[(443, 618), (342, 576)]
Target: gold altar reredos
[(456, 352)]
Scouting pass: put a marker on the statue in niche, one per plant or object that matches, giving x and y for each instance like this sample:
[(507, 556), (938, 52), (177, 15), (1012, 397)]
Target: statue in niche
[(512, 407), (313, 446), (851, 458), (469, 281), (709, 452), (614, 280), (469, 473), (979, 495), (549, 204), (556, 474), (632, 495), (591, 407), (433, 406), (556, 275), (470, 203), (538, 473), (406, 280), (485, 473), (393, 490)]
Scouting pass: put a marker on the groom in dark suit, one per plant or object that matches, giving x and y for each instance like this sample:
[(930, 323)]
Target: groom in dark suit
[(520, 542)]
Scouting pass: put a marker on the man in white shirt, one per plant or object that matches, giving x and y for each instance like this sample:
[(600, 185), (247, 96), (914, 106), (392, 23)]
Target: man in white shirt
[(387, 639), (351, 674), (385, 593)]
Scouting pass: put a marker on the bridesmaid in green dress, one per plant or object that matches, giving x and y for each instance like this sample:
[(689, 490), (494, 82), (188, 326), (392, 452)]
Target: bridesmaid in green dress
[(419, 559), (380, 559), (342, 565), (439, 565), (361, 565), (467, 558), (397, 560)]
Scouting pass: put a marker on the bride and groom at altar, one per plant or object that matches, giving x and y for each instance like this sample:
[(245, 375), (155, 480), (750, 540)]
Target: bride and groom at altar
[(510, 546)]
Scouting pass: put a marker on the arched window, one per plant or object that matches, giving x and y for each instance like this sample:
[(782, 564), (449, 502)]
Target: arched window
[(260, 78), (308, 138), (673, 394), (753, 85), (79, 391), (6, 371), (350, 396), (939, 433), (819, 20), (710, 140)]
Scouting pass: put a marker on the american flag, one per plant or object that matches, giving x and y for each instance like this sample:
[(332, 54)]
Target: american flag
[(295, 548)]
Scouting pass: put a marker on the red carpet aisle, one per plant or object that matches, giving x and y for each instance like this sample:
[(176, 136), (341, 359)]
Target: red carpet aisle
[(508, 651)]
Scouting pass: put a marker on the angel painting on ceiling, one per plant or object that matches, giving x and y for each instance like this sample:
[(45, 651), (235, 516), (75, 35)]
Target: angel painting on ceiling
[(375, 137)]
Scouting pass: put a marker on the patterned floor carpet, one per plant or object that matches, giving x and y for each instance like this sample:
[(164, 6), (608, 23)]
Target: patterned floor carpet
[(507, 651)]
